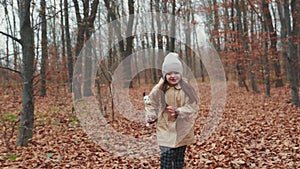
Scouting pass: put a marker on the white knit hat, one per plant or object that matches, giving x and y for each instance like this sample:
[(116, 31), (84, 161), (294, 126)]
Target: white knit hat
[(172, 64)]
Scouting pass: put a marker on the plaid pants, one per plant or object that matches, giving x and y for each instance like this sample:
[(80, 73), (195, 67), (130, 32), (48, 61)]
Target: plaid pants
[(172, 158)]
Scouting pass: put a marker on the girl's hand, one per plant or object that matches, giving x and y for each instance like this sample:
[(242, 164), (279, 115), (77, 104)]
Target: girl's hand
[(151, 120), (172, 111)]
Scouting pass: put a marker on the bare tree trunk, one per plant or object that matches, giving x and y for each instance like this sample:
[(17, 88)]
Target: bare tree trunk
[(265, 47), (27, 114), (226, 40), (165, 10), (79, 44), (245, 42), (63, 42), (233, 39), (266, 64), (153, 39), (129, 45), (282, 32), (7, 51), (273, 38), (44, 44), (68, 44), (89, 18), (111, 59), (8, 29), (187, 28), (54, 57), (216, 25), (291, 57), (116, 25), (173, 28), (158, 23), (240, 66), (15, 45), (159, 36), (85, 28), (295, 4)]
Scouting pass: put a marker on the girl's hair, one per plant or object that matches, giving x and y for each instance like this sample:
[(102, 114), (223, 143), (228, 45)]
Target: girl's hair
[(187, 89)]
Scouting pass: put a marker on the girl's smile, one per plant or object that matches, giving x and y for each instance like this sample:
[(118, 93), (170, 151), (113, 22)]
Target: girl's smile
[(173, 78)]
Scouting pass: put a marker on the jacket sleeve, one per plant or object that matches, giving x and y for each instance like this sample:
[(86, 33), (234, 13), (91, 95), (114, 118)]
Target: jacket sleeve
[(153, 107), (188, 110)]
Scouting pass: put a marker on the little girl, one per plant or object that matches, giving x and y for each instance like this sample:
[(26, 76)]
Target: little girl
[(173, 105)]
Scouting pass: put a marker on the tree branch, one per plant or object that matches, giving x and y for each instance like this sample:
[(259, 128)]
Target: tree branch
[(12, 37), (7, 68), (253, 7)]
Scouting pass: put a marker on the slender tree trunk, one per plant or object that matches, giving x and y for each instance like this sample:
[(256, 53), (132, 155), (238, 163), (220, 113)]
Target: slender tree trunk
[(295, 4), (80, 29), (267, 69), (27, 114), (85, 28), (68, 45), (216, 25), (165, 10), (159, 36), (44, 44), (187, 31), (173, 28), (245, 42), (111, 59), (240, 67), (63, 42), (87, 87), (129, 45), (233, 39), (55, 56), (265, 58), (7, 52), (79, 60), (291, 57), (226, 39), (273, 47), (8, 29), (158, 23), (116, 25), (282, 32), (145, 61), (37, 47), (14, 33), (89, 30), (153, 39)]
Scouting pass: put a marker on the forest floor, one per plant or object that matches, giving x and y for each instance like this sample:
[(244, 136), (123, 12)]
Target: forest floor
[(254, 132)]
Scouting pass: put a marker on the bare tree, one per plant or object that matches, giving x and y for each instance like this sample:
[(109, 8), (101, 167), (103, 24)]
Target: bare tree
[(63, 40), (273, 38), (68, 44), (44, 45), (129, 44), (241, 33), (295, 5), (291, 57), (27, 114), (85, 27), (124, 50), (173, 28)]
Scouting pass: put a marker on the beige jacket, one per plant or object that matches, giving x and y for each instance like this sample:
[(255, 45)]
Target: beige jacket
[(172, 132)]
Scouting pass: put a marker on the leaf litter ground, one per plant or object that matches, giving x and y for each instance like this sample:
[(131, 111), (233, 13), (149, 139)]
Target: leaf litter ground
[(254, 132)]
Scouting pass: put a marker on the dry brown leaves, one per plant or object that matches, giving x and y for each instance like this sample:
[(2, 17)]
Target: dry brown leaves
[(255, 132)]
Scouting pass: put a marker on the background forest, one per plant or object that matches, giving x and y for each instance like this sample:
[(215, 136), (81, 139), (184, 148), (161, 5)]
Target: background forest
[(257, 42)]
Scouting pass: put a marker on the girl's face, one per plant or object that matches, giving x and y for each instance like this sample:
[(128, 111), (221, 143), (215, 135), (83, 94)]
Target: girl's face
[(173, 78)]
